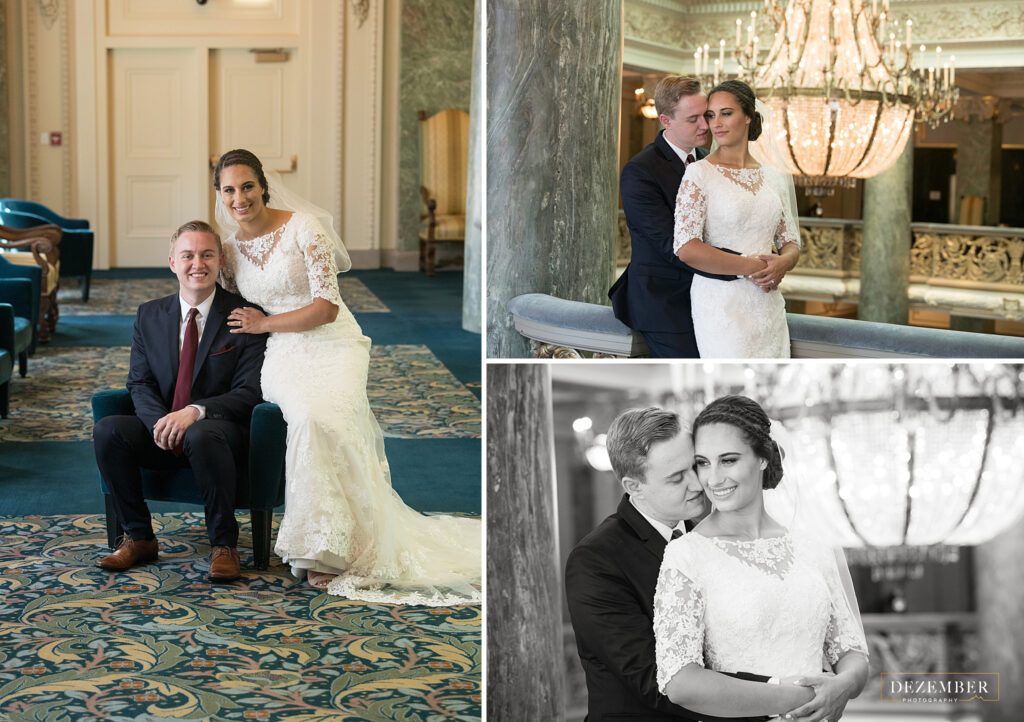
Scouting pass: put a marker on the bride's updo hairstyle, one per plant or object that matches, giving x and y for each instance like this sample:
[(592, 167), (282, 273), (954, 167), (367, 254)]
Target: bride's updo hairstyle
[(747, 416), (241, 156), (745, 97)]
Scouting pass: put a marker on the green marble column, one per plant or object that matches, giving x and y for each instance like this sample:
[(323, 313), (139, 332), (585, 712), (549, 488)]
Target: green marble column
[(885, 254), (1000, 588), (471, 277), (524, 587), (436, 74), (979, 165), (553, 91)]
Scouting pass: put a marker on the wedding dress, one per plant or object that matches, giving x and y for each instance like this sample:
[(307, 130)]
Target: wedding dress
[(742, 209), (341, 514), (771, 606)]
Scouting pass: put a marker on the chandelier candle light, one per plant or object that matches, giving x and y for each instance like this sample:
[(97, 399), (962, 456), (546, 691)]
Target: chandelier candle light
[(842, 82)]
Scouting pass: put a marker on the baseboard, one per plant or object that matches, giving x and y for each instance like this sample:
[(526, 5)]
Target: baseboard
[(400, 260), (365, 259)]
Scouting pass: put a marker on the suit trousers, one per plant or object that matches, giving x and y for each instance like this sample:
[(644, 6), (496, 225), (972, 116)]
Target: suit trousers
[(671, 345), (214, 450)]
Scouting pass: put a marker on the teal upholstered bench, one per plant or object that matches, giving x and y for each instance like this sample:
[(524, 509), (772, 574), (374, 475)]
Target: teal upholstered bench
[(558, 328), (260, 487)]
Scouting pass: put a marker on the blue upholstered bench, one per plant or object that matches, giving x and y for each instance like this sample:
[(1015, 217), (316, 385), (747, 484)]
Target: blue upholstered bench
[(561, 329), (260, 487)]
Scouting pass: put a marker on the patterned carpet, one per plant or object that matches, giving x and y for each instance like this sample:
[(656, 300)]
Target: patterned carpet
[(123, 295), (410, 391), (159, 643)]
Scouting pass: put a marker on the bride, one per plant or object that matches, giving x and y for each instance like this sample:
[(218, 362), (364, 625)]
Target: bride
[(343, 526), (743, 592), (730, 200)]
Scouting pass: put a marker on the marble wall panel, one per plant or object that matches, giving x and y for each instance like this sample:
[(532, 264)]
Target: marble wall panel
[(437, 45), (5, 153)]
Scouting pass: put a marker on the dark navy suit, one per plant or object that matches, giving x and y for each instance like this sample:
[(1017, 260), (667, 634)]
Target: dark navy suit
[(226, 381), (610, 578), (652, 295)]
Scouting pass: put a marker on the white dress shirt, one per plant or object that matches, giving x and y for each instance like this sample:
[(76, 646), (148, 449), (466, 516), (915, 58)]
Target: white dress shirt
[(680, 152), (659, 526)]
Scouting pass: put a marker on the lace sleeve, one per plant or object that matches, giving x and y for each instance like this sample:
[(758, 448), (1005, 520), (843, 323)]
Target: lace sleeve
[(678, 624), (788, 230), (227, 270), (321, 269), (845, 633), (691, 209)]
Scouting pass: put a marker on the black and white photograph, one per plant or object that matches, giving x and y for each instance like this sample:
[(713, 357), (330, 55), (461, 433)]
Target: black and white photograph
[(803, 541)]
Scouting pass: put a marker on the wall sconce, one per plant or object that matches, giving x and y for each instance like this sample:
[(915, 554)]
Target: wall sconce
[(645, 105), (592, 445)]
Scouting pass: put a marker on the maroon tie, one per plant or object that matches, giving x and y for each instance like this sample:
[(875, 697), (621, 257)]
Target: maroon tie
[(186, 365), (690, 159)]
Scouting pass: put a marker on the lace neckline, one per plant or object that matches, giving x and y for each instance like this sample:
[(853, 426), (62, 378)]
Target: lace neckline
[(259, 248), (769, 555), (747, 542), (750, 179)]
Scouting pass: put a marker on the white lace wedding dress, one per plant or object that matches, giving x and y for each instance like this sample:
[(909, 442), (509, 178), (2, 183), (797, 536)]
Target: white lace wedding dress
[(770, 606), (341, 514), (742, 210)]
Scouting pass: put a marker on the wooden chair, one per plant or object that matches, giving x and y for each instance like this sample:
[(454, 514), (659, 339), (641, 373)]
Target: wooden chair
[(77, 238), (39, 246), (444, 156)]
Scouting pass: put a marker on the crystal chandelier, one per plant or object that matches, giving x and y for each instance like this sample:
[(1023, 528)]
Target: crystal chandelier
[(903, 464), (843, 83)]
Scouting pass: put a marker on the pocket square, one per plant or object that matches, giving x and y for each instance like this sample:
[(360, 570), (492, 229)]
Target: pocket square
[(224, 350)]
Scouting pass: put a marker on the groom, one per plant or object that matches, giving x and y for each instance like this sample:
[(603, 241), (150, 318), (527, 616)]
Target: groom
[(194, 385), (610, 576), (652, 295)]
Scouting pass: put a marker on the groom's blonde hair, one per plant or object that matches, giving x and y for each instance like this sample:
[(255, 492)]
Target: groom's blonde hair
[(196, 227), (631, 436), (670, 89)]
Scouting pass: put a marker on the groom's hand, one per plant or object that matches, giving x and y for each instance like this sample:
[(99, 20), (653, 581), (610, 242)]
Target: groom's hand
[(169, 430)]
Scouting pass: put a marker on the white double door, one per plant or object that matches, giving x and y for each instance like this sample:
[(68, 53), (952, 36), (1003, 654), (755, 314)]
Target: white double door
[(172, 110)]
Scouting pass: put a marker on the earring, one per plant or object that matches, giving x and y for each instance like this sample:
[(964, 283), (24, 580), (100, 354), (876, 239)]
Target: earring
[(764, 464)]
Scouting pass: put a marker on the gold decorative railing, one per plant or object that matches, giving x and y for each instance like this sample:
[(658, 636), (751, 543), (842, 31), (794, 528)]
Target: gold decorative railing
[(977, 257), (968, 255), (981, 257)]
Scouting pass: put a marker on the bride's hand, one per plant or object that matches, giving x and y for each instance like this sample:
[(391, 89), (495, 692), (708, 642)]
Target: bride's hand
[(246, 320), (769, 277), (831, 693)]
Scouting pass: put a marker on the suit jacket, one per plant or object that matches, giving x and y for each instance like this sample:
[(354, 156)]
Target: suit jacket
[(653, 293), (226, 379), (610, 578)]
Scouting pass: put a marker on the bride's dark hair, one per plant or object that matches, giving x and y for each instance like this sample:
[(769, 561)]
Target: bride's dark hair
[(240, 156), (747, 416)]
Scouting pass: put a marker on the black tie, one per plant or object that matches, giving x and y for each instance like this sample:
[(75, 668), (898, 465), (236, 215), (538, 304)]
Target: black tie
[(676, 533)]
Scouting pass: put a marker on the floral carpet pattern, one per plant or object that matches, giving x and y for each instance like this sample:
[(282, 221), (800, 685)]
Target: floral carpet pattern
[(410, 391), (123, 295), (160, 643)]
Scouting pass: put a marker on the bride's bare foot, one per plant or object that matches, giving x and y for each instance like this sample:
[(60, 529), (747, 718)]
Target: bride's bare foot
[(319, 580)]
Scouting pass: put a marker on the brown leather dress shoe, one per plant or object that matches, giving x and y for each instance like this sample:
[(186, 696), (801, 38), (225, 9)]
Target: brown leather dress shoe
[(224, 565), (130, 552)]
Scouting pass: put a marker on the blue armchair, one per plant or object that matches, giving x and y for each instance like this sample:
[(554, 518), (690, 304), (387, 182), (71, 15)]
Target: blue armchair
[(19, 287), (260, 487), (7, 354), (76, 247)]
